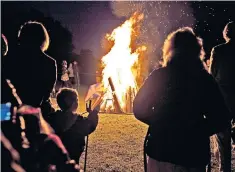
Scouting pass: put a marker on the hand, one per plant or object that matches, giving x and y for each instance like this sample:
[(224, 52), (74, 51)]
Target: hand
[(98, 103), (88, 106), (29, 110), (97, 108)]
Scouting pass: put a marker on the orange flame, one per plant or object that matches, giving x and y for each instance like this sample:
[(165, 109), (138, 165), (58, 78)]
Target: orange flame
[(119, 61)]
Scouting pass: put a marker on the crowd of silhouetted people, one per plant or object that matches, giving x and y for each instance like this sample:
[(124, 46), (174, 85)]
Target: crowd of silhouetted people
[(184, 103), (36, 137)]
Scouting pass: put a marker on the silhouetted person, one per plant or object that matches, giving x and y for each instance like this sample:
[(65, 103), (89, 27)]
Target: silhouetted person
[(183, 107), (33, 152), (31, 70), (11, 158), (70, 126), (223, 69), (6, 92), (74, 75), (65, 75), (71, 74)]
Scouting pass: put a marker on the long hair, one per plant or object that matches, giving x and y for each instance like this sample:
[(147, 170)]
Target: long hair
[(182, 46), (229, 31), (34, 34)]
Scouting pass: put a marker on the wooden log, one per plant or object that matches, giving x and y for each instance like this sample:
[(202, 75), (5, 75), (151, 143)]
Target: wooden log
[(117, 106)]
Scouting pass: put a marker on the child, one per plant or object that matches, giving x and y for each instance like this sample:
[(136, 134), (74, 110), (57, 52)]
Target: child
[(69, 126)]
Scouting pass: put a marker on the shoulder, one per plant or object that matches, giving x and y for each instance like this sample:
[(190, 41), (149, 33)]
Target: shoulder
[(50, 60), (80, 117), (208, 79), (159, 73), (219, 48), (54, 114)]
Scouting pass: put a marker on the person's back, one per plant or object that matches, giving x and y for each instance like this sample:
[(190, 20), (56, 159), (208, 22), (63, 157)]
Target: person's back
[(182, 105), (72, 137), (224, 55), (29, 68), (34, 76), (181, 101), (69, 126), (222, 68)]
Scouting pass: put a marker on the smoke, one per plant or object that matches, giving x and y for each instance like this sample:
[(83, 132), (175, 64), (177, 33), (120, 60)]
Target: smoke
[(160, 18)]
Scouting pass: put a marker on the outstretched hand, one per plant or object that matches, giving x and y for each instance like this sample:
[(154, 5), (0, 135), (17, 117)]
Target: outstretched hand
[(95, 105), (88, 106)]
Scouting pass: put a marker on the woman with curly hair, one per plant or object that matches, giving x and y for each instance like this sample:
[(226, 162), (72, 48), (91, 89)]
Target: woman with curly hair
[(183, 107)]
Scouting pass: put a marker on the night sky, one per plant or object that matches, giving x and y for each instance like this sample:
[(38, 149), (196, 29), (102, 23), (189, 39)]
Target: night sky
[(90, 21)]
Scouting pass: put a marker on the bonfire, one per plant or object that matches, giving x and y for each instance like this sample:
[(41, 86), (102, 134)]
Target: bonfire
[(119, 76)]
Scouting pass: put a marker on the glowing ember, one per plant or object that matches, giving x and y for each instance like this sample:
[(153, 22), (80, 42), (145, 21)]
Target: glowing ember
[(118, 63)]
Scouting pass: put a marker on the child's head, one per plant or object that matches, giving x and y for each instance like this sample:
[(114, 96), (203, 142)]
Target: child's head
[(67, 99)]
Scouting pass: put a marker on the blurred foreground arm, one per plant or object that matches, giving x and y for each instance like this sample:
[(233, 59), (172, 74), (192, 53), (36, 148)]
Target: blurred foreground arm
[(45, 128)]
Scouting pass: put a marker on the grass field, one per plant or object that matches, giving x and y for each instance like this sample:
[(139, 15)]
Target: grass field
[(117, 143)]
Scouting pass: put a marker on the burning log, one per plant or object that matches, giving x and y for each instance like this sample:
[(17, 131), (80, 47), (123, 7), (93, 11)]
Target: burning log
[(130, 95), (116, 102), (120, 67)]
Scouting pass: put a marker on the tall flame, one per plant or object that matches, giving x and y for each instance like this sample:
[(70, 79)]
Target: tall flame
[(119, 61)]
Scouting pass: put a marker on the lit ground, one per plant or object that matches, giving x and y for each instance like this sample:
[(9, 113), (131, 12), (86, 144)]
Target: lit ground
[(117, 143)]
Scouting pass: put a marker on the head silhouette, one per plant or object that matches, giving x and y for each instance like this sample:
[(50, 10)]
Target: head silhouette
[(229, 31), (4, 46), (182, 46), (67, 99), (34, 35)]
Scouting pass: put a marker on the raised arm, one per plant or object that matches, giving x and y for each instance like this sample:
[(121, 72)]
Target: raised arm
[(86, 125)]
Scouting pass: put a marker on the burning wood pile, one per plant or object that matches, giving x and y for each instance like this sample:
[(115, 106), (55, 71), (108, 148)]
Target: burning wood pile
[(119, 68), (112, 104)]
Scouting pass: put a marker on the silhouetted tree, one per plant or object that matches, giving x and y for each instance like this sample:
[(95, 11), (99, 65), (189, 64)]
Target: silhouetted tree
[(61, 46), (88, 66)]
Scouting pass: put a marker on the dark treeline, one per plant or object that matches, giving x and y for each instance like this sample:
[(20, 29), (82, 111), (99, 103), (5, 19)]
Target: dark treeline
[(210, 19), (61, 46)]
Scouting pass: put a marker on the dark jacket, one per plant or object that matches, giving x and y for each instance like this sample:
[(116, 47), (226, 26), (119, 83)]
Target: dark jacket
[(182, 107), (33, 73), (72, 129), (223, 70)]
